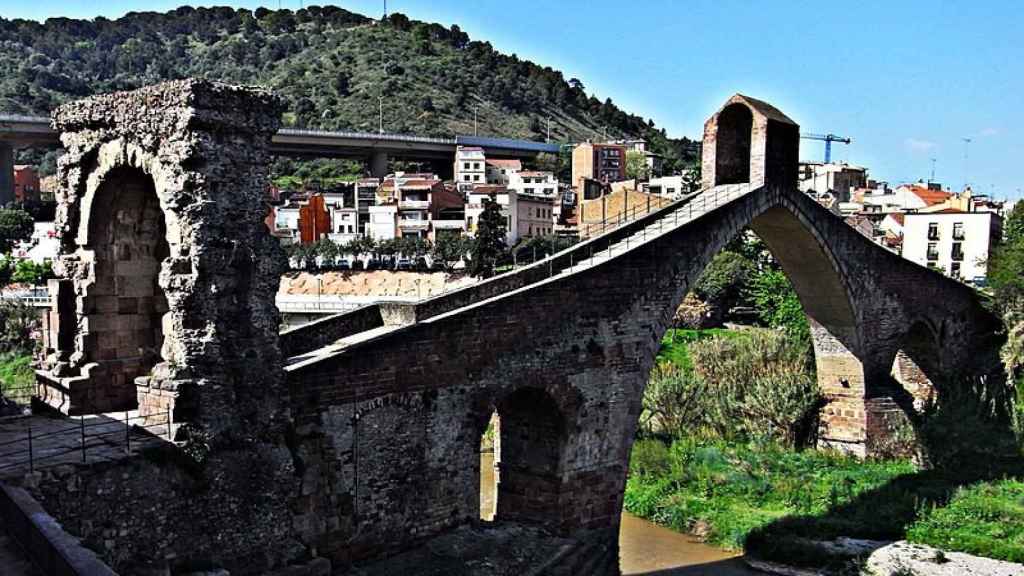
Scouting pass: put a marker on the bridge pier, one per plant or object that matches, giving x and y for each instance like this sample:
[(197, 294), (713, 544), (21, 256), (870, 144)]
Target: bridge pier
[(379, 164), (6, 173)]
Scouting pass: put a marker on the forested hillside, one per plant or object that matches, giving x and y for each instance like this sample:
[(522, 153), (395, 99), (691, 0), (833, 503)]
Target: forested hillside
[(331, 65)]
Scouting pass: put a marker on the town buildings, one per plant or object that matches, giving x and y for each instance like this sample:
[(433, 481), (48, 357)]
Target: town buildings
[(950, 232), (602, 162), (26, 184), (837, 179)]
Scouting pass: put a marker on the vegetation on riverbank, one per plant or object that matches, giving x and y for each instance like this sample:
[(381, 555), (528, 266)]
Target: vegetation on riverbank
[(751, 486), (725, 490)]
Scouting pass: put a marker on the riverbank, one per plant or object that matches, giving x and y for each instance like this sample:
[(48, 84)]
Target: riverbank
[(781, 504), (774, 503)]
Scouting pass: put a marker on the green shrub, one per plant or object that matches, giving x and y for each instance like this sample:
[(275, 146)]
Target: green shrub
[(16, 376), (758, 387), (673, 401)]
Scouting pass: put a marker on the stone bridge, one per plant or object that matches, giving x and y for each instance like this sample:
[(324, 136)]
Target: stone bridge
[(370, 422)]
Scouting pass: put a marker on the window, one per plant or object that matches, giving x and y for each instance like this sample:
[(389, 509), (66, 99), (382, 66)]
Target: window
[(476, 165), (954, 270), (933, 231), (933, 251), (958, 251), (670, 190), (958, 231), (476, 177), (465, 165), (466, 177)]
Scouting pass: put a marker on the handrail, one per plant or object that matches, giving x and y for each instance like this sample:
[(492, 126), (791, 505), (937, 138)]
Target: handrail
[(112, 429)]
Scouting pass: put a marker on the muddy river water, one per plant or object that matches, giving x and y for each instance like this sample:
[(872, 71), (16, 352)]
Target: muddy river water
[(644, 547)]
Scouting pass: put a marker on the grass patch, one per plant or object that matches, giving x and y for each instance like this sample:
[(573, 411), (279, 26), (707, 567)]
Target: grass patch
[(985, 519), (730, 490), (17, 379)]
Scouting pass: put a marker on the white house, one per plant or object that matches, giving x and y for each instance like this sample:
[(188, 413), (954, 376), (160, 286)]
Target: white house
[(534, 183), (383, 223), (470, 167), (952, 241), (526, 215)]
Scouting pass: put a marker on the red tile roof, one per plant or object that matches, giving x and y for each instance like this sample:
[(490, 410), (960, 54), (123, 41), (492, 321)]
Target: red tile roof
[(898, 217), (513, 164), (930, 197)]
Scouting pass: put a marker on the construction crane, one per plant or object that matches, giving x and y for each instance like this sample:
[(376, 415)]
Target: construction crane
[(828, 139)]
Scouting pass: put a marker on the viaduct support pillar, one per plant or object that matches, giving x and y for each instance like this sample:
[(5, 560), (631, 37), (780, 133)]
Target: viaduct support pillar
[(6, 173), (379, 164)]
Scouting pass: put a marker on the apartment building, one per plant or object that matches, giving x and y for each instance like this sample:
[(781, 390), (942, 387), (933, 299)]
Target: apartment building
[(836, 178), (26, 183), (470, 167), (526, 215), (416, 205), (602, 162), (533, 183), (953, 241)]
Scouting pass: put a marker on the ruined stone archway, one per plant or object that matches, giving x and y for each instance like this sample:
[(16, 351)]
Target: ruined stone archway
[(124, 304), (732, 147), (160, 212), (528, 461)]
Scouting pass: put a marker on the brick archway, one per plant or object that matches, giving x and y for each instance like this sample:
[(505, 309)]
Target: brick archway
[(732, 147), (529, 458), (124, 304)]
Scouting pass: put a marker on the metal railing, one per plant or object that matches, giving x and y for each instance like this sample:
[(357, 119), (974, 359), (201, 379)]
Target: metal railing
[(39, 447), (690, 207)]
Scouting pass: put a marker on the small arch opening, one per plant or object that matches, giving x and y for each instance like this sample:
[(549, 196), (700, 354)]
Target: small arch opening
[(490, 455), (128, 237), (732, 145), (530, 437), (916, 365)]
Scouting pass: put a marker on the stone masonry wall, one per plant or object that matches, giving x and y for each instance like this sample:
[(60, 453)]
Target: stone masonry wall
[(588, 342)]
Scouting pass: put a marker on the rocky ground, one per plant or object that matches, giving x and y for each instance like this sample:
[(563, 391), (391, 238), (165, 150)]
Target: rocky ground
[(482, 550)]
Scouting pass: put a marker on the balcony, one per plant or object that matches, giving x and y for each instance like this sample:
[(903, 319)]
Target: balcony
[(413, 204), (449, 224), (411, 224)]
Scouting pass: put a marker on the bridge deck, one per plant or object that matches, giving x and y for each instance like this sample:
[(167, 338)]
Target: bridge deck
[(679, 214)]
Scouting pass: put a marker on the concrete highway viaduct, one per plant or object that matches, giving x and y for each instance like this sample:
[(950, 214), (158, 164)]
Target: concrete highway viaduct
[(362, 430), (376, 149)]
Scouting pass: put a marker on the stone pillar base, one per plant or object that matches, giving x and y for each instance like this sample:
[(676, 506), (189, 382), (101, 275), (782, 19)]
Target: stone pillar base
[(156, 407), (99, 389)]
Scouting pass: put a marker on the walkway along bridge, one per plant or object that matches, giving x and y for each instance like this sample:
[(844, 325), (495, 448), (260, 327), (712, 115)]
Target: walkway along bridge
[(364, 428)]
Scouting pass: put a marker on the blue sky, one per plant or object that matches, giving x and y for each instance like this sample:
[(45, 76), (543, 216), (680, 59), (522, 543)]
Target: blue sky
[(906, 80)]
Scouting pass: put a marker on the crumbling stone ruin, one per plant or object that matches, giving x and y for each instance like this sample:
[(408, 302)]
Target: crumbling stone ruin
[(167, 275)]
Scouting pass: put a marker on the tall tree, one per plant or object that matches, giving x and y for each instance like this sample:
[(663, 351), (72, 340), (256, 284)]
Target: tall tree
[(15, 226), (490, 240)]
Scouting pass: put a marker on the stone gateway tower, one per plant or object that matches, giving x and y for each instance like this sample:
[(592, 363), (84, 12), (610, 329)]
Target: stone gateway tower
[(167, 274)]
